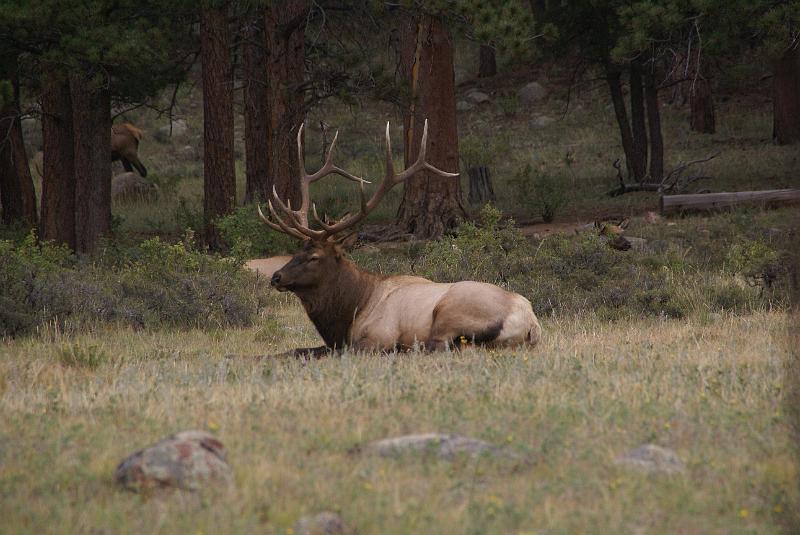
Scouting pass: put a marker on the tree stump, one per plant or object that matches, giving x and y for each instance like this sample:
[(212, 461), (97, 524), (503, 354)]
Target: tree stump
[(480, 185)]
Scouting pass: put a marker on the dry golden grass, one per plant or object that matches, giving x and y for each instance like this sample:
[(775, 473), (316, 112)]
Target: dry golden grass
[(712, 391)]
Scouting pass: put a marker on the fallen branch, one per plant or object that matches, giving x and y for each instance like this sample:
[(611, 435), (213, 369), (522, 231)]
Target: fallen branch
[(674, 181)]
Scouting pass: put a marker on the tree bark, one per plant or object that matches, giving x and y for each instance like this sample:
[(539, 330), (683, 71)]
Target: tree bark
[(219, 174), (654, 128), (613, 77), (257, 146), (17, 195), (431, 204), (638, 123), (703, 119), (91, 119), (285, 30), (488, 64), (58, 173), (786, 98)]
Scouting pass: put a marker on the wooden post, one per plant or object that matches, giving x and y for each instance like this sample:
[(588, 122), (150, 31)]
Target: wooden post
[(713, 201)]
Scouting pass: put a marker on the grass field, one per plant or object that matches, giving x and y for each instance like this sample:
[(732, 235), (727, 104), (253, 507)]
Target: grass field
[(712, 391), (681, 344)]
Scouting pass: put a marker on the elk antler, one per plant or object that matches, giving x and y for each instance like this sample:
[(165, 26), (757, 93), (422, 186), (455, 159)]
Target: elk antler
[(295, 222)]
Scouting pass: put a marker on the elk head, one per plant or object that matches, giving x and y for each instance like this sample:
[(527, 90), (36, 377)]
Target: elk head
[(322, 251)]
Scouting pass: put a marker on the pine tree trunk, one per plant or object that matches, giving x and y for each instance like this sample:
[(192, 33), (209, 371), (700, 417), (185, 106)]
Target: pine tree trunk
[(786, 98), (219, 176), (613, 77), (285, 30), (638, 124), (91, 120), (703, 119), (58, 173), (431, 204), (488, 64), (257, 147), (654, 128), (17, 196)]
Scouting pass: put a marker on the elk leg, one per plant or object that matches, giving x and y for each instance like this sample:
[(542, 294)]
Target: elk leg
[(139, 167), (126, 164)]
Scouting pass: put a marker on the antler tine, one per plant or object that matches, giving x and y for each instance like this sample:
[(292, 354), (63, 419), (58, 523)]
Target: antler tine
[(348, 220), (421, 163), (281, 226), (298, 222), (389, 160)]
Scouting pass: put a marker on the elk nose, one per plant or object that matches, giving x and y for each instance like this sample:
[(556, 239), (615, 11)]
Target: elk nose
[(276, 279)]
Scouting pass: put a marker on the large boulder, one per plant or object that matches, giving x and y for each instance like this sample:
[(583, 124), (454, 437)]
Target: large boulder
[(177, 129), (189, 460), (531, 92), (130, 187), (478, 97)]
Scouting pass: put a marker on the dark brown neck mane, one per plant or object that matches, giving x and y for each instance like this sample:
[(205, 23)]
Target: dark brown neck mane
[(333, 304)]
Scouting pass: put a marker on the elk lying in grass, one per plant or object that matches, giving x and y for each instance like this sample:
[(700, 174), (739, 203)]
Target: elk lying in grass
[(351, 307)]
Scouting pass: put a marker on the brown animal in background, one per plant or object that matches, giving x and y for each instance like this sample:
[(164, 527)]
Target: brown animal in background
[(351, 307), (125, 147)]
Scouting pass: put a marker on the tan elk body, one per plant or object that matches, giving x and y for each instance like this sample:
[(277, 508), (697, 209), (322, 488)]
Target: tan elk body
[(368, 311), (125, 147)]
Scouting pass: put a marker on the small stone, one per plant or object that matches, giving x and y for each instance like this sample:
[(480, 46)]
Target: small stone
[(541, 121), (188, 153), (128, 187), (463, 105), (531, 92), (652, 218), (325, 523), (478, 97), (652, 458), (177, 129), (189, 460), (441, 445)]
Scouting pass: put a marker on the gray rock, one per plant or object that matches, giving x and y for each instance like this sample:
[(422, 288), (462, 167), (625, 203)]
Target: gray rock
[(478, 97), (531, 92), (189, 460), (441, 445), (179, 128), (463, 105), (188, 153), (130, 187), (652, 458), (541, 121), (325, 523)]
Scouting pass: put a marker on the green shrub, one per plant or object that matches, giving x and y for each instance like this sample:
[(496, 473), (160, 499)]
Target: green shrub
[(188, 216), (754, 260), (249, 237), (540, 192), (152, 285), (78, 356), (486, 251)]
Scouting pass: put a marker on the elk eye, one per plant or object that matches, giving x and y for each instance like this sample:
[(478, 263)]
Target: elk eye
[(313, 258)]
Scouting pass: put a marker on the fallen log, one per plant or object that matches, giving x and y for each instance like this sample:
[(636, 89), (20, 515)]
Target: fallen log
[(713, 201)]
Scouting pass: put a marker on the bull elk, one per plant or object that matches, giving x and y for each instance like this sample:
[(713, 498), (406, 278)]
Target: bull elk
[(351, 307)]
